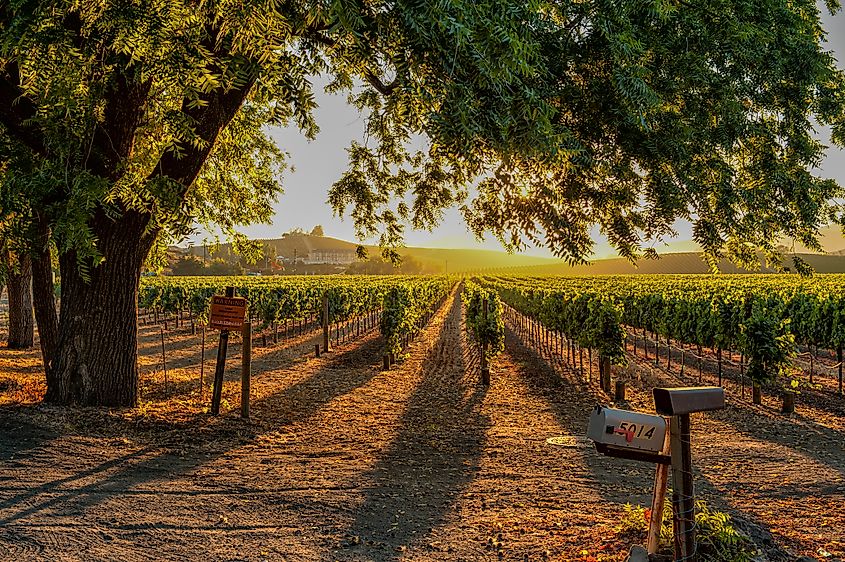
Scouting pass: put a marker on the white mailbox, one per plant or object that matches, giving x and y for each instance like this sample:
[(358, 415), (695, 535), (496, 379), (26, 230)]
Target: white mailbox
[(625, 430)]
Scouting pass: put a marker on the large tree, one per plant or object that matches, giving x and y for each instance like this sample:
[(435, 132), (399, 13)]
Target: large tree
[(124, 123)]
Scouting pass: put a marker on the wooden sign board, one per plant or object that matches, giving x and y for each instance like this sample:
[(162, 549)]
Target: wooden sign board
[(227, 313)]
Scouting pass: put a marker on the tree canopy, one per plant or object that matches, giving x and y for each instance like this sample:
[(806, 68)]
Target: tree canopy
[(627, 115), (649, 111)]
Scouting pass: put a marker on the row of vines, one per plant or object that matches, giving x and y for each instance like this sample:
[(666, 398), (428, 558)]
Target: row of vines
[(404, 302), (765, 318)]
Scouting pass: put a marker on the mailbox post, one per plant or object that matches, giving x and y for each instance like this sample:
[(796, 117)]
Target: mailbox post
[(632, 435)]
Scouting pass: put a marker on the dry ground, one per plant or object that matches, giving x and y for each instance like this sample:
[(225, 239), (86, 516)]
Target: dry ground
[(343, 461)]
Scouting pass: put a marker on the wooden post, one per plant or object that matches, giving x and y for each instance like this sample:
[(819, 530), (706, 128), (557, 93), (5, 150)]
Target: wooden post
[(485, 368), (325, 321), (604, 373), (661, 479), (668, 353), (246, 367), (788, 402), (700, 358), (719, 362), (810, 348), (756, 394), (658, 501), (742, 374), (317, 350), (163, 360), (620, 391), (683, 493), (386, 362), (581, 361), (202, 365), (220, 368), (839, 359), (656, 349)]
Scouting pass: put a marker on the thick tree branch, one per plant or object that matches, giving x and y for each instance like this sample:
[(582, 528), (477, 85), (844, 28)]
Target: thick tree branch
[(16, 110), (114, 138), (217, 109)]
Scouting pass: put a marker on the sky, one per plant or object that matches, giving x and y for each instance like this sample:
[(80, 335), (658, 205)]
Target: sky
[(319, 163)]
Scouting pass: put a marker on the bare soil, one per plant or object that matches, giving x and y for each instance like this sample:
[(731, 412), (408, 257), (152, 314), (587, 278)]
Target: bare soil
[(343, 461)]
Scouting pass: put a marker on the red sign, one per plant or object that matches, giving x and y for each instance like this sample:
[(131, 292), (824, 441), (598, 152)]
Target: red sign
[(227, 313)]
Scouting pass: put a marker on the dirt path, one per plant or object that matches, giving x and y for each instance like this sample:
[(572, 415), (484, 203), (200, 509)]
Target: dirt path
[(342, 461)]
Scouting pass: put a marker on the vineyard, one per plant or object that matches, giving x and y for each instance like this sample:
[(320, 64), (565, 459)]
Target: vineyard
[(779, 326), (400, 305), (420, 432)]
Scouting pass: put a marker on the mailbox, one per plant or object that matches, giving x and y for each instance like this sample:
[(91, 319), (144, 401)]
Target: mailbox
[(626, 430), (686, 400)]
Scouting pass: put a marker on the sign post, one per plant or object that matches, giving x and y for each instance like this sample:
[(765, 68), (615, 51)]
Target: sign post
[(226, 313)]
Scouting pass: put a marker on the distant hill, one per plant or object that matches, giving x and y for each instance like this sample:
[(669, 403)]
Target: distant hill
[(440, 259), (682, 262), (468, 260)]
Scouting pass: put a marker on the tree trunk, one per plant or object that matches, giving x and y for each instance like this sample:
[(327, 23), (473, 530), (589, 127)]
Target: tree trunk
[(44, 295), (96, 361), (21, 320)]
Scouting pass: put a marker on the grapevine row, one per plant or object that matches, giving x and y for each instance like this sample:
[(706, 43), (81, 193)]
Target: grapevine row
[(762, 317), (403, 302)]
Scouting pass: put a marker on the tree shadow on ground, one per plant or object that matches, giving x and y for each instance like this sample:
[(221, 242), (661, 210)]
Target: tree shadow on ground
[(166, 460), (571, 399), (433, 457), (818, 442), (20, 438)]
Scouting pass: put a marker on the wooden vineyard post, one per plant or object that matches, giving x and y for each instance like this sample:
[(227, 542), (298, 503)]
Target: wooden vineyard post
[(163, 360), (246, 367), (810, 349), (220, 368), (485, 368), (325, 321), (788, 406), (683, 503), (656, 349), (756, 393), (202, 365), (742, 374), (719, 361), (700, 358), (581, 361), (604, 373), (668, 353), (839, 360), (619, 395)]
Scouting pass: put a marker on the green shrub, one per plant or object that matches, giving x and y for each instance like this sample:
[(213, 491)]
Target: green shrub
[(718, 540)]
